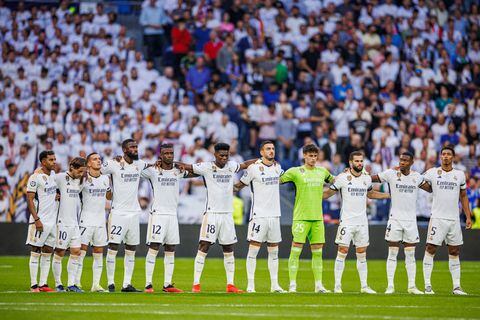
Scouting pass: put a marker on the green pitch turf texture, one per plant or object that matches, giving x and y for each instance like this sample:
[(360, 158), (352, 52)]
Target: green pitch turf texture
[(17, 303)]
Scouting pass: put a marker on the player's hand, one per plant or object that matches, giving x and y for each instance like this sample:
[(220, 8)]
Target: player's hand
[(117, 158), (158, 164), (468, 224), (38, 170), (57, 197), (179, 167), (39, 225)]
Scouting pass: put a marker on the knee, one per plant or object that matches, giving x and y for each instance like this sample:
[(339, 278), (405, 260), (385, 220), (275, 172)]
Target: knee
[(454, 251), (97, 250), (343, 250), (131, 248), (113, 246), (203, 246), (154, 246), (228, 248), (75, 251), (169, 248), (59, 252), (45, 249), (361, 250), (431, 249)]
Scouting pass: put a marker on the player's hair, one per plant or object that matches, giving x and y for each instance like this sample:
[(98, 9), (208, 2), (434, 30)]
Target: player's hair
[(91, 155), (355, 154), (126, 142), (222, 147), (408, 154), (166, 146), (310, 148), (44, 154), (78, 162), (448, 147), (264, 143)]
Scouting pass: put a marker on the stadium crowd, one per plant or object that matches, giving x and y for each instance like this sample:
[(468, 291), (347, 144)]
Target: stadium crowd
[(380, 76)]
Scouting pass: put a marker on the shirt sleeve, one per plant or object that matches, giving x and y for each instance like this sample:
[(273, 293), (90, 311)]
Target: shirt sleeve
[(107, 167), (338, 183), (200, 168), (234, 165), (247, 176), (328, 176), (369, 183), (384, 176), (427, 176), (463, 182), (288, 176), (141, 165), (147, 173), (32, 183)]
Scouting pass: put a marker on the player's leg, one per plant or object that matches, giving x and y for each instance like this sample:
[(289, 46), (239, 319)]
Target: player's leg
[(361, 241), (172, 238), (132, 239), (72, 267), (256, 233), (33, 263), (342, 239), (410, 239), (208, 235), (435, 235), (84, 231), (98, 241), (454, 240), (150, 261), (41, 244), (274, 237), (45, 262), (58, 255), (393, 248), (227, 238), (115, 235), (316, 238), (300, 231)]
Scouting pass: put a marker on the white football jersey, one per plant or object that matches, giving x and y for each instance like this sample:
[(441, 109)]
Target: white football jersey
[(69, 199), (404, 192), (219, 185), (264, 186), (94, 199), (166, 189), (45, 189), (446, 188), (354, 197), (125, 182)]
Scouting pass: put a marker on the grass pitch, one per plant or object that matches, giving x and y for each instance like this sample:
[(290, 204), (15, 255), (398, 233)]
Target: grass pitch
[(17, 303)]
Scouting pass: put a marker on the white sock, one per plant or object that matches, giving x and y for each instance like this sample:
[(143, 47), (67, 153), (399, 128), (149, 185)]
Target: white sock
[(339, 267), (229, 264), (454, 266), (72, 268), (252, 265), (97, 268), (362, 268), (198, 267), (168, 266), (129, 265), (45, 260), (78, 277), (427, 268), (57, 269), (273, 266), (391, 265), (150, 265), (33, 265), (110, 260), (410, 266)]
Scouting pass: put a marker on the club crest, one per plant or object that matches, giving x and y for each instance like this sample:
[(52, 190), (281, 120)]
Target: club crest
[(399, 176), (302, 170), (349, 178), (44, 178)]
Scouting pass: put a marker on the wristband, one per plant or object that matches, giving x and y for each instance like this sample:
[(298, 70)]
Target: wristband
[(37, 219)]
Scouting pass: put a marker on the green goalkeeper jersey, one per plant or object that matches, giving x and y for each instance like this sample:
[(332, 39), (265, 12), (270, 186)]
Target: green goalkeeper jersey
[(309, 191)]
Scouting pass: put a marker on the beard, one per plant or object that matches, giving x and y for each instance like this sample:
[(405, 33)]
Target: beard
[(358, 170), (133, 156)]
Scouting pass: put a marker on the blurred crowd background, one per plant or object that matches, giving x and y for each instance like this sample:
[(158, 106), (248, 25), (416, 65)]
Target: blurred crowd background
[(379, 76)]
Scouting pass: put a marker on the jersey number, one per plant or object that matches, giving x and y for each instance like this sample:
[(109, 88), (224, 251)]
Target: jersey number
[(116, 230), (343, 231), (210, 228), (299, 227), (156, 229), (62, 235), (256, 228), (434, 230), (38, 234), (389, 227), (82, 230)]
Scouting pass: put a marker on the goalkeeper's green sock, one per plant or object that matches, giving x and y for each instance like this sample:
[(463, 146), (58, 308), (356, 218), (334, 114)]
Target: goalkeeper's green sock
[(293, 262), (317, 266)]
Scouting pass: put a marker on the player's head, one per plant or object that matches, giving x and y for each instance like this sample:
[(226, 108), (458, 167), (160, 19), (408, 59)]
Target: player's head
[(267, 150), (130, 149), (310, 154), (406, 160), (78, 166), (356, 161), (166, 153), (447, 153), (222, 153), (47, 159), (94, 161)]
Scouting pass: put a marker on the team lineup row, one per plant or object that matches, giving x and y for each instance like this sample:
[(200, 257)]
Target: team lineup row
[(68, 212)]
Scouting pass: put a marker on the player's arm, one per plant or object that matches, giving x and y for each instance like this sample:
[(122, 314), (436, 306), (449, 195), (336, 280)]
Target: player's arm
[(31, 191), (238, 186), (246, 164), (109, 195), (327, 193), (376, 179), (466, 208), (184, 167), (426, 186), (373, 194)]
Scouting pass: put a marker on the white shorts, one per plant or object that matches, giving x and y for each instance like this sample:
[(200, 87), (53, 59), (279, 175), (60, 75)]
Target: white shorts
[(68, 237), (358, 234), (39, 239), (265, 230), (402, 231), (124, 228), (440, 230), (94, 235), (218, 226), (163, 229)]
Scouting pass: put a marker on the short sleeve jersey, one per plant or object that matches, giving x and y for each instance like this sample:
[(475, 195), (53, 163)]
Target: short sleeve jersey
[(446, 188), (264, 182), (166, 189), (69, 199), (308, 191), (94, 199), (45, 189), (354, 197), (219, 185), (404, 192)]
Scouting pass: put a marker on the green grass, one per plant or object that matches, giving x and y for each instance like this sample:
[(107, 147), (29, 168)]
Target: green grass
[(17, 303)]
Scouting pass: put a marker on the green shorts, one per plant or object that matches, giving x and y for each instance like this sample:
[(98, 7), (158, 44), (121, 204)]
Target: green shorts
[(314, 230)]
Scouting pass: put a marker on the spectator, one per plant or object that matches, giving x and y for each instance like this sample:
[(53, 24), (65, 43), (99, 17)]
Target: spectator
[(181, 42), (198, 76), (153, 19)]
